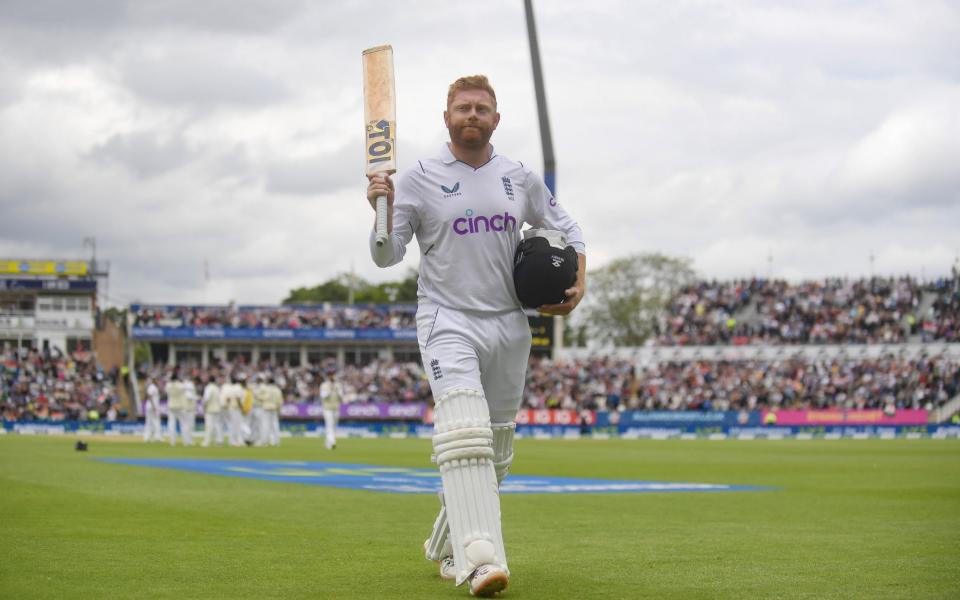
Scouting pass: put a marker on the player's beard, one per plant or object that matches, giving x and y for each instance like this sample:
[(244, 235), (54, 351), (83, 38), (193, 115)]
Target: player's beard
[(473, 135)]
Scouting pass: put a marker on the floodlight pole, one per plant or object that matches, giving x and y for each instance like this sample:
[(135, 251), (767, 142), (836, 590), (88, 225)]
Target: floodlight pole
[(546, 140)]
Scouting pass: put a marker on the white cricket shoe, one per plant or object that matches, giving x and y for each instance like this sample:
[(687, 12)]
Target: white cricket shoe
[(487, 580), (448, 569)]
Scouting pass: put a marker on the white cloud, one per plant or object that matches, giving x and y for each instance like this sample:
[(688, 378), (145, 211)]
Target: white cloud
[(911, 158), (228, 132)]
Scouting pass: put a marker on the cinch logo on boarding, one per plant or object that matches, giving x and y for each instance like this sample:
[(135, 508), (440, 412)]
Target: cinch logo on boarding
[(483, 224)]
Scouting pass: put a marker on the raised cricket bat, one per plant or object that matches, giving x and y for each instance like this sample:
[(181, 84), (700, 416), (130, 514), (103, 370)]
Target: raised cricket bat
[(380, 114)]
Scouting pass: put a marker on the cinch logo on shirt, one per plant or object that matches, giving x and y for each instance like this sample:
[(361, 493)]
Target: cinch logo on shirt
[(481, 223)]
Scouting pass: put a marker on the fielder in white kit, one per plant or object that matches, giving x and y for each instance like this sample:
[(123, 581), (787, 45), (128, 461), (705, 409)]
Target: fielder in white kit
[(212, 405), (466, 207), (152, 429), (331, 395)]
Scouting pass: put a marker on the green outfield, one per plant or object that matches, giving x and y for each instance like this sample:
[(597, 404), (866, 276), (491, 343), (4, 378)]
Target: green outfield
[(845, 519)]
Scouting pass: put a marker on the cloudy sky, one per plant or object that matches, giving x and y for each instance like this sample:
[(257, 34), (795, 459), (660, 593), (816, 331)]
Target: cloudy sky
[(792, 138)]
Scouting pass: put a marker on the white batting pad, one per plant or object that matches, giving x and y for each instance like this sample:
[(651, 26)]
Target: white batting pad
[(438, 544), (463, 444), (503, 448)]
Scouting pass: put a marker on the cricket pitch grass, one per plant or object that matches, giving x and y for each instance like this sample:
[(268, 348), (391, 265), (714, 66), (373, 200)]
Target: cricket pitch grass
[(841, 519)]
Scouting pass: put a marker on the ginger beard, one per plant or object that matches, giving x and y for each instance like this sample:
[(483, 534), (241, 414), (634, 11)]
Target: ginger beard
[(471, 119)]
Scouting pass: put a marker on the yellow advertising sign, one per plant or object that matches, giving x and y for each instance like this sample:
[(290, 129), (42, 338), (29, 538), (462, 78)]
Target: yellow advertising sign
[(44, 267)]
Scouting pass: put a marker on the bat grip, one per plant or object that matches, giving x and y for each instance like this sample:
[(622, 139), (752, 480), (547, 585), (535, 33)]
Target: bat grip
[(381, 220)]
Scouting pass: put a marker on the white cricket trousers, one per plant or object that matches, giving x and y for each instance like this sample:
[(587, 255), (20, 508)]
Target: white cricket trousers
[(271, 430), (235, 429), (152, 427), (258, 426), (487, 352), (211, 429), (187, 426), (186, 420), (330, 418)]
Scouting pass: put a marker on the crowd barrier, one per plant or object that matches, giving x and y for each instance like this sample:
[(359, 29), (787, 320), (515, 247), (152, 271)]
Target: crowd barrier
[(414, 420)]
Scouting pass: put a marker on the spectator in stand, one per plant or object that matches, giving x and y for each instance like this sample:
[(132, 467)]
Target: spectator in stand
[(278, 317), (605, 383), (942, 323), (925, 383), (828, 311), (831, 311), (42, 384), (703, 314)]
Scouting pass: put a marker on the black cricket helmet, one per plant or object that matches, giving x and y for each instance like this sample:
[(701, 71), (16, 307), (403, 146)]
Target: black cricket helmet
[(544, 267)]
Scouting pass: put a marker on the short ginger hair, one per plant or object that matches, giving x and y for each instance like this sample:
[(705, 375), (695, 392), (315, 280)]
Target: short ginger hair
[(471, 82)]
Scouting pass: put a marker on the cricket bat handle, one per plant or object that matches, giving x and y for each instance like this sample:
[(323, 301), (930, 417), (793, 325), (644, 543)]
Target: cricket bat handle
[(381, 220)]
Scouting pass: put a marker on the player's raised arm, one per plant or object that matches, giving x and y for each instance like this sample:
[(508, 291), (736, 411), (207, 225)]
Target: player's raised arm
[(401, 218)]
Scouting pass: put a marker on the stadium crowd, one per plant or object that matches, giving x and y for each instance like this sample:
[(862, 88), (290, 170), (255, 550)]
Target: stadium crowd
[(327, 316), (830, 311), (52, 385), (37, 384), (615, 384), (750, 311), (795, 383), (943, 323)]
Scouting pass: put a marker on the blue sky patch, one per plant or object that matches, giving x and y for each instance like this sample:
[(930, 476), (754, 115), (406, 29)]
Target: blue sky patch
[(407, 480)]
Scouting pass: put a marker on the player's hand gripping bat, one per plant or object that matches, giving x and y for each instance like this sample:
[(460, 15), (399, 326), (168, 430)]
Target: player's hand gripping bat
[(379, 109)]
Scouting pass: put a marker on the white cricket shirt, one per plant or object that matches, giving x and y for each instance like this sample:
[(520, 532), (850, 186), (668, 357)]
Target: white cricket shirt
[(153, 396), (211, 398), (467, 222)]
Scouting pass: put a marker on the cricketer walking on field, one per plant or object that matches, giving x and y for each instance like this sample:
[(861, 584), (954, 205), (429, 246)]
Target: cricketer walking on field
[(233, 395), (331, 396), (223, 382), (258, 421), (152, 428), (189, 423), (250, 423), (181, 409), (272, 401), (466, 207), (212, 406)]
